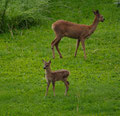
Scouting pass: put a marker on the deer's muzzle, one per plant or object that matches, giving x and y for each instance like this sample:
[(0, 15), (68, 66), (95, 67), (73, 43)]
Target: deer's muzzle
[(44, 67)]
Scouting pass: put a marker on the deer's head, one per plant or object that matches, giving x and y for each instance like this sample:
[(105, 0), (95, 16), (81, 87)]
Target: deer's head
[(99, 16), (46, 64)]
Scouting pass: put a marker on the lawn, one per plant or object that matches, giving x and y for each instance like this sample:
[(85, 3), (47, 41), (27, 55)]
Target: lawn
[(94, 82)]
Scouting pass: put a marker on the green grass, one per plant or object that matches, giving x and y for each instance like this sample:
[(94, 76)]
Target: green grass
[(94, 83)]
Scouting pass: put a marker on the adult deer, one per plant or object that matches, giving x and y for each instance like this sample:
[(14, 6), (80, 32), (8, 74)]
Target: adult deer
[(53, 76), (77, 31)]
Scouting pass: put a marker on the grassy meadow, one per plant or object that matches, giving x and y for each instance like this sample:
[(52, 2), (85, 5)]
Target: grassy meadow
[(94, 83)]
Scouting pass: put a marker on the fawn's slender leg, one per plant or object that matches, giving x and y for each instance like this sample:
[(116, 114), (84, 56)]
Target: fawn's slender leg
[(83, 46), (78, 42), (53, 83), (66, 84), (48, 84), (56, 45)]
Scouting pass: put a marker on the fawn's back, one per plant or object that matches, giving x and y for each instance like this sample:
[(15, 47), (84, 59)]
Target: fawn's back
[(58, 75)]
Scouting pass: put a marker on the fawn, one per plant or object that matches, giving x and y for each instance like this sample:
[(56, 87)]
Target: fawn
[(77, 31), (53, 76)]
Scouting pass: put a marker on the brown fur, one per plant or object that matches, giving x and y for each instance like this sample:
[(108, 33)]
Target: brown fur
[(77, 31), (53, 76)]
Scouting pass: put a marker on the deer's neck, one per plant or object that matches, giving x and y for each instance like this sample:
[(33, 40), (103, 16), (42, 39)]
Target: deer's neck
[(94, 25), (48, 71)]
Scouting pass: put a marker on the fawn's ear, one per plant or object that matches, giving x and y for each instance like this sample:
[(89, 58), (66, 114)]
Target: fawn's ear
[(50, 62)]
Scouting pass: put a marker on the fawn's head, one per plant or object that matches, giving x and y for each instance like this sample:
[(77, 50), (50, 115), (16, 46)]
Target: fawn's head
[(100, 17), (46, 64)]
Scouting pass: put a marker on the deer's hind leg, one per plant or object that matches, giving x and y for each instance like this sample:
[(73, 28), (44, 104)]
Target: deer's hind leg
[(54, 42), (67, 86), (78, 42), (52, 46), (56, 45)]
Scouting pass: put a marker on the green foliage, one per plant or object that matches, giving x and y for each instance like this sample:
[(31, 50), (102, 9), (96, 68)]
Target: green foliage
[(94, 83), (23, 13)]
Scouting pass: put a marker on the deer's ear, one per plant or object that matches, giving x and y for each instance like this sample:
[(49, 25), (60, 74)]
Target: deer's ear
[(50, 62), (94, 12), (97, 11)]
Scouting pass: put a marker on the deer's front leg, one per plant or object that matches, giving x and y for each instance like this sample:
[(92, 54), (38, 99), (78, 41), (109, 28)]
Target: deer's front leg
[(53, 83), (48, 84), (83, 46)]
